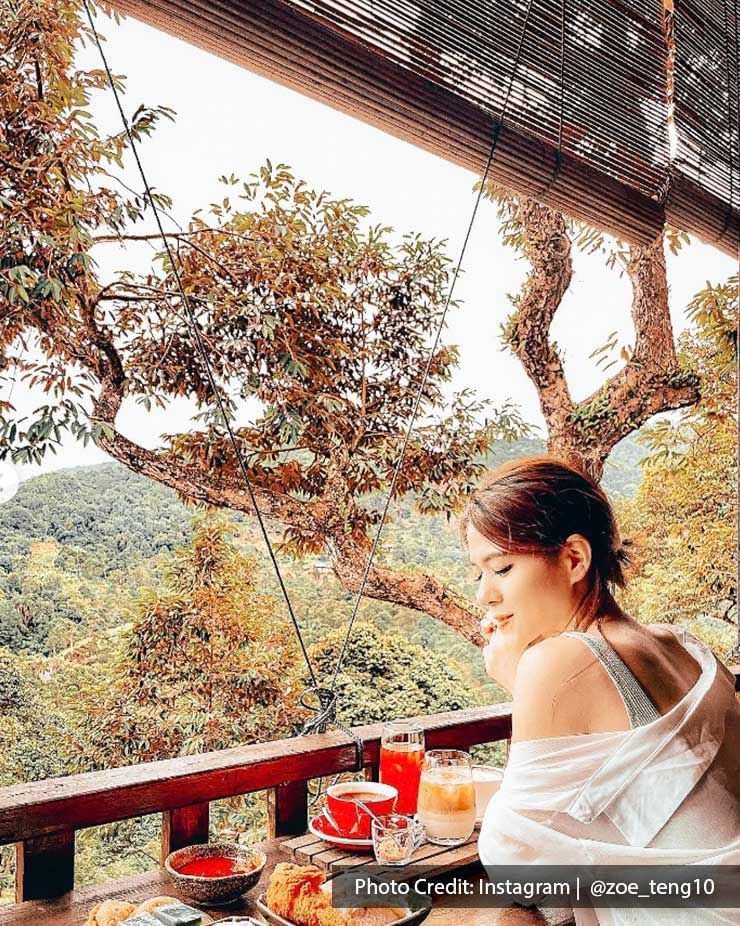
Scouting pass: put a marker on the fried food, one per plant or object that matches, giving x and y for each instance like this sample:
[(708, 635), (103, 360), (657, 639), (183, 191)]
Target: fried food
[(299, 894), (294, 892), (110, 913), (366, 916)]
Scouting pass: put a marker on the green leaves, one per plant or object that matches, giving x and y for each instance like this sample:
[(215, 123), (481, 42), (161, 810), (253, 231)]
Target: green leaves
[(385, 677), (604, 354), (208, 664)]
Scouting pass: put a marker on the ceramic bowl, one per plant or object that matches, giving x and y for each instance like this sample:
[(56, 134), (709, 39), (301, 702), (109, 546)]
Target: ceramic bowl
[(214, 891), (486, 780)]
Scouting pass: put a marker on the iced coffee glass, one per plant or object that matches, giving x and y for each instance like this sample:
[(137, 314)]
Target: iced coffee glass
[(446, 805)]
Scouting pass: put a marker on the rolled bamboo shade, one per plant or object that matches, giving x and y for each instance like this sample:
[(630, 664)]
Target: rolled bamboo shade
[(707, 106), (436, 72)]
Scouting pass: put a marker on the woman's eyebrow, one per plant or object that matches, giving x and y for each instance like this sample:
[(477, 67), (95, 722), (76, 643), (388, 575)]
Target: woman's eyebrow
[(487, 559)]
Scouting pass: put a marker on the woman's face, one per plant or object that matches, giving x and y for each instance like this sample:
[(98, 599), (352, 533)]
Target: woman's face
[(526, 597)]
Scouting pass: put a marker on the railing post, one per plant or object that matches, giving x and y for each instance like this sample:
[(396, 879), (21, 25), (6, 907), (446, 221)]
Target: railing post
[(45, 866), (287, 809), (184, 826)]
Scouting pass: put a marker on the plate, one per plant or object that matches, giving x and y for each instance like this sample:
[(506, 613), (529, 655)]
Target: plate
[(413, 917), (321, 827)]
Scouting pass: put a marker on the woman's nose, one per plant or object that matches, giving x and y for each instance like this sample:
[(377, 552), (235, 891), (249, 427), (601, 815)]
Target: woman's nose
[(487, 593)]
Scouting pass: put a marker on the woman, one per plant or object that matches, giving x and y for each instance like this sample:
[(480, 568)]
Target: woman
[(625, 738)]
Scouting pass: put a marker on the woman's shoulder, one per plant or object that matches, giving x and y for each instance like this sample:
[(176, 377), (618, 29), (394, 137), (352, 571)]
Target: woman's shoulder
[(551, 679), (554, 658)]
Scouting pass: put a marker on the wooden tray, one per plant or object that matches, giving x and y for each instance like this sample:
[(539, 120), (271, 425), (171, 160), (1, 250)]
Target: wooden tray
[(310, 850)]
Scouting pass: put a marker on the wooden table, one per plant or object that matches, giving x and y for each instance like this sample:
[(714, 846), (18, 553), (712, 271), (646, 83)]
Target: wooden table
[(73, 908)]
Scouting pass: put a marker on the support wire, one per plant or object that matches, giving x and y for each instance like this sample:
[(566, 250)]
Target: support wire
[(397, 469), (198, 339)]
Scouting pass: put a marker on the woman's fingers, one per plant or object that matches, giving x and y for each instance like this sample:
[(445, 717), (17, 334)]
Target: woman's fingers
[(487, 627)]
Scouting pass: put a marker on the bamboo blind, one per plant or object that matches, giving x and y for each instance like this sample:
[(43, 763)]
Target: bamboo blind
[(613, 102), (590, 85), (707, 104)]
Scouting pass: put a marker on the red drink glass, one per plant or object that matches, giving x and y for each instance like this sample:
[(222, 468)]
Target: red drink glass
[(401, 757)]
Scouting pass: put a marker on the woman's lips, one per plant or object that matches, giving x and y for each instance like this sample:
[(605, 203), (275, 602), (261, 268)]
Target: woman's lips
[(498, 623)]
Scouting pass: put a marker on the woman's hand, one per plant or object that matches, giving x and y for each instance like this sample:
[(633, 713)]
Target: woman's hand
[(505, 644)]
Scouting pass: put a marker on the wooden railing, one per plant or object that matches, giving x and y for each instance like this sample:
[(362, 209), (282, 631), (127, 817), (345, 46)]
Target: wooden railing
[(42, 817)]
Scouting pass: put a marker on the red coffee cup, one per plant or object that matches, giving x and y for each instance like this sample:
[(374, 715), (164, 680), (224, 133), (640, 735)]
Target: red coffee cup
[(344, 804)]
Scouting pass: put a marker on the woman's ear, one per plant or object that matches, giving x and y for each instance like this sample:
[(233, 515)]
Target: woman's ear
[(576, 556)]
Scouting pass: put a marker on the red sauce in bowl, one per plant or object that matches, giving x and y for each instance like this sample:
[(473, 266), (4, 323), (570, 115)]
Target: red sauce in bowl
[(217, 866)]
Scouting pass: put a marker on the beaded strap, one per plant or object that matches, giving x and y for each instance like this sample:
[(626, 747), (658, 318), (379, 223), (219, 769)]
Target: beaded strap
[(640, 709)]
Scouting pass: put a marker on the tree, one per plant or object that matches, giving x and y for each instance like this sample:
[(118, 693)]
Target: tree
[(301, 306), (34, 741), (684, 514), (33, 738), (651, 381), (207, 664), (384, 677)]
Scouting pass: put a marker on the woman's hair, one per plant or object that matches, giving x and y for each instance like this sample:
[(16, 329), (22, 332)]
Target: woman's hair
[(532, 505)]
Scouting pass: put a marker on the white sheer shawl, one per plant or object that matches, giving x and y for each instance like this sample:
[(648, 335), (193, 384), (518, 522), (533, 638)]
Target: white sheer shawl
[(667, 792)]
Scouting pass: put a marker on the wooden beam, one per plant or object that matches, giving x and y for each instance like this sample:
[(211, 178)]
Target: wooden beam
[(287, 809), (94, 798), (44, 867), (184, 826)]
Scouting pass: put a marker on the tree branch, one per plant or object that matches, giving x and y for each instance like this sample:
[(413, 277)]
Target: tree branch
[(227, 490), (349, 553), (651, 381), (548, 249)]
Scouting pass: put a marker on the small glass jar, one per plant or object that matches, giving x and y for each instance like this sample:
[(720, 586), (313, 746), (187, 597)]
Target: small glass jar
[(395, 836)]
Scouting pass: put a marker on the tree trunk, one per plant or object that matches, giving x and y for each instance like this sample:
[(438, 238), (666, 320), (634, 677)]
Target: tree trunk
[(651, 381)]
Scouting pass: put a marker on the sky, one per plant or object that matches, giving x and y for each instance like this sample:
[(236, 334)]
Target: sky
[(230, 120)]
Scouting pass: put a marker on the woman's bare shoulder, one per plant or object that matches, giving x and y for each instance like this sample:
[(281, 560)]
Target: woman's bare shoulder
[(548, 690), (554, 658)]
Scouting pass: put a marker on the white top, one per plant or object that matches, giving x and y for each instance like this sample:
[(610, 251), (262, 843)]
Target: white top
[(666, 792)]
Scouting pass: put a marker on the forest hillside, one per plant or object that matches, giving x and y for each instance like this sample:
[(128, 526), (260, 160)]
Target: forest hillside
[(108, 658)]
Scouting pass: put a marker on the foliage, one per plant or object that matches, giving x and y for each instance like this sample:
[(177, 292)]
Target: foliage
[(55, 191), (75, 547), (103, 519), (207, 663), (684, 513), (301, 304), (33, 737), (383, 677)]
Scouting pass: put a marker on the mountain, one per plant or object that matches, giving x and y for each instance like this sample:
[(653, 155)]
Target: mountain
[(77, 546)]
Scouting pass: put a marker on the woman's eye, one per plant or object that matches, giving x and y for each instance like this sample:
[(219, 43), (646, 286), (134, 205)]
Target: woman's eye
[(502, 572), (476, 574)]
